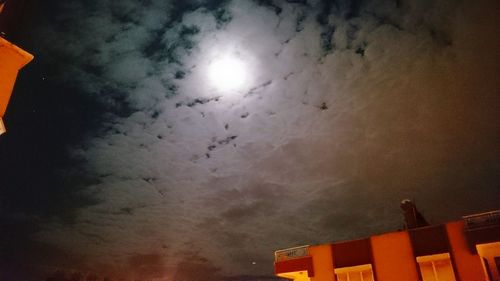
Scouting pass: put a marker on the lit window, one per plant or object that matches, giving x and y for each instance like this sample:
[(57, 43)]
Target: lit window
[(355, 273), (436, 267), (490, 257)]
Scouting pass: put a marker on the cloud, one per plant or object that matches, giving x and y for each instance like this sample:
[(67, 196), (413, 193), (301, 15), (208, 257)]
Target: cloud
[(194, 267), (350, 107), (149, 265)]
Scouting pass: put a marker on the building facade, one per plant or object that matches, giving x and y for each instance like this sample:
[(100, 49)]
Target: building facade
[(464, 250), (12, 59)]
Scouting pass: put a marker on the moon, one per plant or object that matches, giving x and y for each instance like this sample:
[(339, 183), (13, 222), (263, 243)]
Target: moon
[(228, 73)]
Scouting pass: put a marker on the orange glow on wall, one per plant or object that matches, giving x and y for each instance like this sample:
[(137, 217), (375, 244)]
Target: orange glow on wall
[(12, 59), (295, 265), (322, 262), (295, 275), (393, 256), (440, 252), (468, 266)]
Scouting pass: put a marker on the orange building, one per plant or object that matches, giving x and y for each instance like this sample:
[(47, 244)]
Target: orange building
[(464, 250), (12, 59)]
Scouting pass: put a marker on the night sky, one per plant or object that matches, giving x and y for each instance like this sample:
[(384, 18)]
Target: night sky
[(125, 158)]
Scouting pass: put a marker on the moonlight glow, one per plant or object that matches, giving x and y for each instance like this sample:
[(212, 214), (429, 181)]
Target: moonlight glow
[(228, 73)]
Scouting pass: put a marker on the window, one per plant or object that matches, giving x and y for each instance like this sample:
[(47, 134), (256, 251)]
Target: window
[(490, 256), (436, 267), (488, 270), (355, 273)]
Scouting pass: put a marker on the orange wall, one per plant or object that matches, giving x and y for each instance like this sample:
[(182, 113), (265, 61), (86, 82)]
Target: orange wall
[(12, 59), (322, 262), (6, 85), (393, 257), (295, 265), (467, 265)]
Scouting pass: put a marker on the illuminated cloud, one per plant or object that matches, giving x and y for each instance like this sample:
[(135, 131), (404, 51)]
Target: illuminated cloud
[(345, 109)]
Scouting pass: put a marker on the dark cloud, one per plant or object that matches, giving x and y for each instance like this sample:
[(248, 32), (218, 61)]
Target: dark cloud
[(43, 182), (194, 267), (147, 266)]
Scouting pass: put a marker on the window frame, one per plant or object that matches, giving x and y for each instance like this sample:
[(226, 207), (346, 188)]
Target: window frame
[(433, 259), (353, 269)]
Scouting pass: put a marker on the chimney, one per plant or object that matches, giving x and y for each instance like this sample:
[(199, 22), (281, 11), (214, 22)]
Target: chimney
[(413, 218)]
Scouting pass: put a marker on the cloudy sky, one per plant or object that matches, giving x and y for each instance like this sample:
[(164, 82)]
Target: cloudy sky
[(127, 158)]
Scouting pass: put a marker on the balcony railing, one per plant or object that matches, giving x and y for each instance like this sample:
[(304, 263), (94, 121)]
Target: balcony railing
[(482, 220), (291, 253)]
